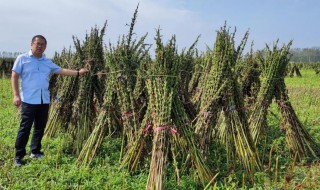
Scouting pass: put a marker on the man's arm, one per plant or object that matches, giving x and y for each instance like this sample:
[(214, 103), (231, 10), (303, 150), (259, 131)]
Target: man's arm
[(15, 88), (71, 72)]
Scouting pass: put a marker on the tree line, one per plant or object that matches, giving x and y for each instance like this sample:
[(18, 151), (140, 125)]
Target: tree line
[(6, 54), (305, 55)]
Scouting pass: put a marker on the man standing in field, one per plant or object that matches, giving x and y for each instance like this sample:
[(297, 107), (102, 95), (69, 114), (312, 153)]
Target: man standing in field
[(33, 69)]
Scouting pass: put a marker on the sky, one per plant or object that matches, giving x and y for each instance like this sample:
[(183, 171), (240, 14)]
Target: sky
[(60, 20)]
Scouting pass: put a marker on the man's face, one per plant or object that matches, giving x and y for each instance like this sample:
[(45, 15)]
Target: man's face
[(38, 46)]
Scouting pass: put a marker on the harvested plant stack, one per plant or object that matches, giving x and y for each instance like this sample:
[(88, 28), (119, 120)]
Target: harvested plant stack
[(85, 108), (104, 125), (294, 71), (274, 67), (166, 125), (212, 83), (62, 98), (298, 139), (221, 112), (125, 62), (222, 102), (271, 68), (161, 85)]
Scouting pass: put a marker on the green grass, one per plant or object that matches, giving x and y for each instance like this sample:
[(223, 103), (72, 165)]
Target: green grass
[(308, 80), (58, 171)]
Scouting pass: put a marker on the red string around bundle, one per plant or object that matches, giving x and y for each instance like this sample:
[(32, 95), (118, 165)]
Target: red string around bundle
[(160, 128)]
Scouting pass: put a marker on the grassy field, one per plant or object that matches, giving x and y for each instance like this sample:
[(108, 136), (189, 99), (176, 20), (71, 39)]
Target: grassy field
[(58, 171)]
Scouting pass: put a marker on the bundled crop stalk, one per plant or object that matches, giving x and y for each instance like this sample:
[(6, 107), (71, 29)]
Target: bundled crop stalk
[(298, 139), (221, 94), (270, 76), (103, 125), (275, 66), (294, 71), (165, 112), (161, 119), (65, 95), (233, 129), (124, 61), (213, 84), (90, 88), (161, 84)]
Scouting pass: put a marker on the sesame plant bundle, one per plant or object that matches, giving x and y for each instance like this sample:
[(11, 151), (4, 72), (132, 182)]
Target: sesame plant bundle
[(89, 97), (125, 63), (124, 89), (161, 84), (294, 71), (232, 128), (298, 139), (166, 128), (271, 67), (213, 85), (104, 125), (207, 112), (66, 93)]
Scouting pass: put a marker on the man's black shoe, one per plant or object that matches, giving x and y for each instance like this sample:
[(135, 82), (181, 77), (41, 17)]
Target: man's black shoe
[(18, 162)]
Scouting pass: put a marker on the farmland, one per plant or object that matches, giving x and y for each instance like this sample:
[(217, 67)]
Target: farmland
[(58, 169)]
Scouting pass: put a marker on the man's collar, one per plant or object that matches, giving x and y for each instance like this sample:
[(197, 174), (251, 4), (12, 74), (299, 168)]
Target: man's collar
[(31, 55)]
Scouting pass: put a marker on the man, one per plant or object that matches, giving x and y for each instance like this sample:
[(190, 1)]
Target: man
[(33, 69)]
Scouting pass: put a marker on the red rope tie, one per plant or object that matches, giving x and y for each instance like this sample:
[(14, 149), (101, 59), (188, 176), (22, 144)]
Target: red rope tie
[(160, 128), (173, 130), (145, 130), (164, 127)]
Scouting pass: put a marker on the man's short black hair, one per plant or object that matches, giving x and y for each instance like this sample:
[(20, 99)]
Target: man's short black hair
[(39, 36)]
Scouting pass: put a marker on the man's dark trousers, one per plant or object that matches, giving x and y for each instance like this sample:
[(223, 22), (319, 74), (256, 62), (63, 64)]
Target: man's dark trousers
[(36, 114)]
